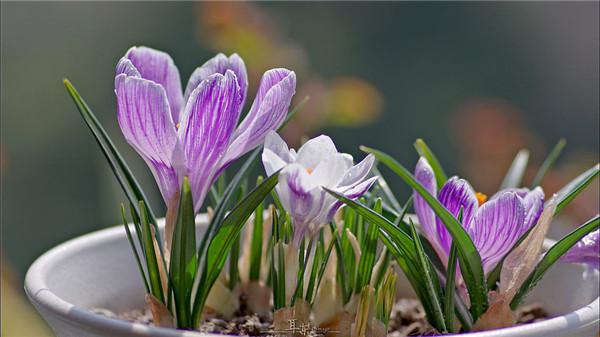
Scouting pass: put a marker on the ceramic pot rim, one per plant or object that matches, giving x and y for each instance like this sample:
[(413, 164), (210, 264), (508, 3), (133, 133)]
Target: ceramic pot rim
[(38, 292)]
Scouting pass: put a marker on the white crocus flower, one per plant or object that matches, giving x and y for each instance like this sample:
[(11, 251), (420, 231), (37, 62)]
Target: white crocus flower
[(317, 164)]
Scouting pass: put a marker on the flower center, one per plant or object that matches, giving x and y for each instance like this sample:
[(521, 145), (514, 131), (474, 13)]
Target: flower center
[(177, 126), (481, 198), (309, 170)]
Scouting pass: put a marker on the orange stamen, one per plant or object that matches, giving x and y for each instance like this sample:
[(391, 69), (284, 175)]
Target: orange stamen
[(309, 170), (481, 198)]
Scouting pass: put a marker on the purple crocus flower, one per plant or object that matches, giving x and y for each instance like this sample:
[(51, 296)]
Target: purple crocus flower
[(494, 226), (317, 164), (193, 133), (586, 251)]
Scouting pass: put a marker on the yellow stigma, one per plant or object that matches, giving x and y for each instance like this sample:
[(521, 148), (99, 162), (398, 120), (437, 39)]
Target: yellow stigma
[(481, 198), (177, 126), (309, 170)]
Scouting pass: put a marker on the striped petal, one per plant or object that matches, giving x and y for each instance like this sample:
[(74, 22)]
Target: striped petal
[(586, 251), (219, 65), (268, 111), (456, 193), (145, 120), (534, 206), (207, 125), (496, 227), (302, 201), (157, 66), (358, 172), (424, 175)]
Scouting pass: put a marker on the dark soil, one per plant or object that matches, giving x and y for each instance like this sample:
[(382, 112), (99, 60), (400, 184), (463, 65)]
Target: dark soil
[(407, 319)]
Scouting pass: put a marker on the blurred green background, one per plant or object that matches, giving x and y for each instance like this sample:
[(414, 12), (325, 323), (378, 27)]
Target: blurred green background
[(477, 81)]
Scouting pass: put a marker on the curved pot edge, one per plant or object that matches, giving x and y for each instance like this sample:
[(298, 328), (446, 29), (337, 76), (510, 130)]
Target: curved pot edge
[(46, 301)]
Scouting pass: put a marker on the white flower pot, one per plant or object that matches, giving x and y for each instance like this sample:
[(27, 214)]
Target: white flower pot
[(98, 270)]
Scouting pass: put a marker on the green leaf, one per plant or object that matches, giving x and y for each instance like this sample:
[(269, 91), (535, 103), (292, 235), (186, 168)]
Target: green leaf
[(388, 195), (432, 283), (573, 188), (342, 273), (450, 291), (438, 171), (514, 175), (126, 180), (368, 254), (323, 265), (470, 260), (183, 264), (135, 252), (547, 164), (223, 240), (553, 255), (226, 200), (151, 261), (256, 244)]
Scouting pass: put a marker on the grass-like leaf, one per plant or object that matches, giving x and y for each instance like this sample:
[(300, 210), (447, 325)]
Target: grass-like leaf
[(553, 255), (387, 193), (223, 240), (124, 176), (256, 244), (156, 288), (438, 171), (322, 267), (368, 253), (573, 188), (183, 264), (548, 162), (432, 283), (516, 171), (133, 248), (470, 260), (449, 289)]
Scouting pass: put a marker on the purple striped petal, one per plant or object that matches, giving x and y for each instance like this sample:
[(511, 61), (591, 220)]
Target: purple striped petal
[(302, 201), (456, 193), (145, 120), (358, 172), (219, 65), (424, 175), (208, 122), (352, 192), (496, 228), (157, 66), (586, 251), (268, 111), (534, 206)]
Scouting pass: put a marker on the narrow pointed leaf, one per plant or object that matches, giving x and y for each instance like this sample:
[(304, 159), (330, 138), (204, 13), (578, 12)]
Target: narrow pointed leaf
[(572, 189), (450, 291), (156, 288), (516, 171), (183, 262), (432, 284), (133, 248), (548, 162), (368, 253)]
